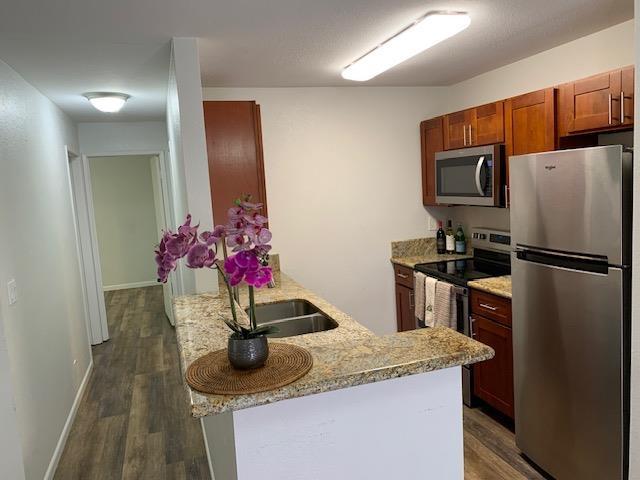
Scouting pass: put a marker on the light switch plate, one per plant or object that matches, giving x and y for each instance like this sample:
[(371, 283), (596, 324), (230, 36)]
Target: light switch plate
[(12, 291)]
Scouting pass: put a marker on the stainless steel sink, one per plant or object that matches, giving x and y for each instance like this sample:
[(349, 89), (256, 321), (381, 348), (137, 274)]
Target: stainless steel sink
[(293, 317)]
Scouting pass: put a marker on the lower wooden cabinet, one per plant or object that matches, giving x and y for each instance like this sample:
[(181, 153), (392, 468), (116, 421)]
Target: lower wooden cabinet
[(405, 306), (405, 310), (493, 379)]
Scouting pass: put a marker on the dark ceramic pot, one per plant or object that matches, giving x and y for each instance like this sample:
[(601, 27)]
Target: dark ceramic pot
[(247, 353)]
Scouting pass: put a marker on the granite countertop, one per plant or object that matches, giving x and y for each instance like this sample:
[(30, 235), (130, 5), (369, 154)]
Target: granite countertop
[(500, 286), (346, 356), (410, 253)]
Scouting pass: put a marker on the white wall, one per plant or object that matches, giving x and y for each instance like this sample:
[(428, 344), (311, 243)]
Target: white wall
[(187, 161), (348, 159), (45, 330), (117, 137), (124, 207), (342, 168), (601, 51), (10, 449)]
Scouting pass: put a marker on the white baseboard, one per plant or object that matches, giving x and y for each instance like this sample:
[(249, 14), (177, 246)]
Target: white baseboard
[(122, 286), (62, 441)]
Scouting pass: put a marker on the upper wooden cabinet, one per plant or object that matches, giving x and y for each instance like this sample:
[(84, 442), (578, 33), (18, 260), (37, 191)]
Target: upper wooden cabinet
[(488, 125), (600, 102), (431, 138), (234, 150), (482, 125), (530, 124), (456, 130)]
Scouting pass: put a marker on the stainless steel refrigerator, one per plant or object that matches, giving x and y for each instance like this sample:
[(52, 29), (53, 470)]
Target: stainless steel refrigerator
[(571, 239)]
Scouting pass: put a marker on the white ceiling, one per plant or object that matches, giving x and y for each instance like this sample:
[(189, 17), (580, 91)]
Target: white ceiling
[(69, 47)]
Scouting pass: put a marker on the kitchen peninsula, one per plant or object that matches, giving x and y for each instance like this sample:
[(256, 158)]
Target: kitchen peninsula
[(371, 407)]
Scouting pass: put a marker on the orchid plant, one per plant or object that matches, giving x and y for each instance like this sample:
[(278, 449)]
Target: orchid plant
[(248, 238)]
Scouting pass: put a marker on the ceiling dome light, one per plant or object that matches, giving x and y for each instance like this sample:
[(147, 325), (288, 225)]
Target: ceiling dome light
[(431, 29), (109, 102)]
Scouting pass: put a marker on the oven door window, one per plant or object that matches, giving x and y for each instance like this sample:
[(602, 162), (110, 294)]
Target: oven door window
[(464, 176)]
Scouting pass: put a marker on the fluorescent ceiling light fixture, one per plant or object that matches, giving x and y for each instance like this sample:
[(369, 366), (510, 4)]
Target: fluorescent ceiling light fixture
[(109, 102), (431, 29)]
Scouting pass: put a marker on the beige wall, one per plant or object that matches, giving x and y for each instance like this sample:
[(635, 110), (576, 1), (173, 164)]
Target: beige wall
[(46, 334), (123, 203), (342, 169)]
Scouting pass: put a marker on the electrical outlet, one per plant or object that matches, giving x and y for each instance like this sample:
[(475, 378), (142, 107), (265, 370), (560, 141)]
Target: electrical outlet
[(432, 224), (12, 291)]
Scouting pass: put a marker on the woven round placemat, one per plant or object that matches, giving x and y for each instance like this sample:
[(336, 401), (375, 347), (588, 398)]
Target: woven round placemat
[(212, 373)]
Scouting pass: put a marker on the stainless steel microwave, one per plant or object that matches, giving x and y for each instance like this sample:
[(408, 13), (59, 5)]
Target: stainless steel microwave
[(470, 176)]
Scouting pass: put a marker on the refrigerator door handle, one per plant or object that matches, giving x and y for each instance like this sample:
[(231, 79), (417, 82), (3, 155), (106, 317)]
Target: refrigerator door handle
[(478, 172)]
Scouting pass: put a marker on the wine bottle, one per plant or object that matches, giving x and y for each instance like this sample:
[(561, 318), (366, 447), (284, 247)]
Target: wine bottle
[(440, 239), (461, 243), (450, 240)]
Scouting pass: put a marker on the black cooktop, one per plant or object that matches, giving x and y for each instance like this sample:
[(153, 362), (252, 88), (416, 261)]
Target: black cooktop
[(485, 264)]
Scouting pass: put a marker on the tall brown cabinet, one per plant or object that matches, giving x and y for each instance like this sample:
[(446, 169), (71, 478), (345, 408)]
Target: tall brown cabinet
[(234, 151)]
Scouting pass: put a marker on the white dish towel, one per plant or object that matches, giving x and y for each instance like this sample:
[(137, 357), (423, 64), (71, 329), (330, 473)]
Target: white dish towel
[(429, 301), (424, 294), (418, 295)]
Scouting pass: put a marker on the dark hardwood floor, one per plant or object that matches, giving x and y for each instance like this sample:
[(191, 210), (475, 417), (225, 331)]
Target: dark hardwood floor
[(490, 451), (134, 421)]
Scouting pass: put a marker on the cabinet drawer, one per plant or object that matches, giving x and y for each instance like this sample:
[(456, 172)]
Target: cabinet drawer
[(491, 306), (403, 275)]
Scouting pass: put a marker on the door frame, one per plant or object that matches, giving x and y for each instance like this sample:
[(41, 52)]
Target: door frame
[(171, 288), (87, 248)]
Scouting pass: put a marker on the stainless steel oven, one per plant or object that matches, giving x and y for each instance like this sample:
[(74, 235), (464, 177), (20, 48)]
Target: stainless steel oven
[(465, 327), (470, 176)]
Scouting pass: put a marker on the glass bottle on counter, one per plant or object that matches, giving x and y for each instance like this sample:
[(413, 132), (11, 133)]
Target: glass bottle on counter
[(449, 239), (440, 239), (461, 242)]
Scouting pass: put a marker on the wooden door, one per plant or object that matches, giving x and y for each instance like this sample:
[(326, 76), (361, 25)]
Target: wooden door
[(405, 308), (488, 124), (456, 130), (431, 137), (596, 102), (234, 150), (493, 379), (627, 95)]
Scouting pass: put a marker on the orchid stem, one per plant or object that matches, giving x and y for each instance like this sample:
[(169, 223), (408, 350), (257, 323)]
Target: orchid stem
[(231, 299), (252, 309)]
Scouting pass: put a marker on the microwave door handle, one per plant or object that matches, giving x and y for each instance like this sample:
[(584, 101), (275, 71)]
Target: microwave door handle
[(478, 172)]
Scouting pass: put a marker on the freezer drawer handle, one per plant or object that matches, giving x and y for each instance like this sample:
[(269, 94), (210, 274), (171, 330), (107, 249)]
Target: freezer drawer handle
[(488, 307), (573, 262)]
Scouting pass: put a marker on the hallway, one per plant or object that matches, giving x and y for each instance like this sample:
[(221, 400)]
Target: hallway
[(133, 421)]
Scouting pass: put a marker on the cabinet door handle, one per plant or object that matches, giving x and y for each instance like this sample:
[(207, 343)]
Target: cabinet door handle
[(470, 136), (506, 196), (464, 133), (609, 109), (402, 275), (488, 307), (411, 300), (622, 107)]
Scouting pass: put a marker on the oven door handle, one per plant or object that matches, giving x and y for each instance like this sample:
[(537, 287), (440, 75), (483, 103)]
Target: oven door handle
[(478, 172)]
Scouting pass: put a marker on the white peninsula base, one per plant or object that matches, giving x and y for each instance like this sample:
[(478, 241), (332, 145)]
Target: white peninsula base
[(404, 428)]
